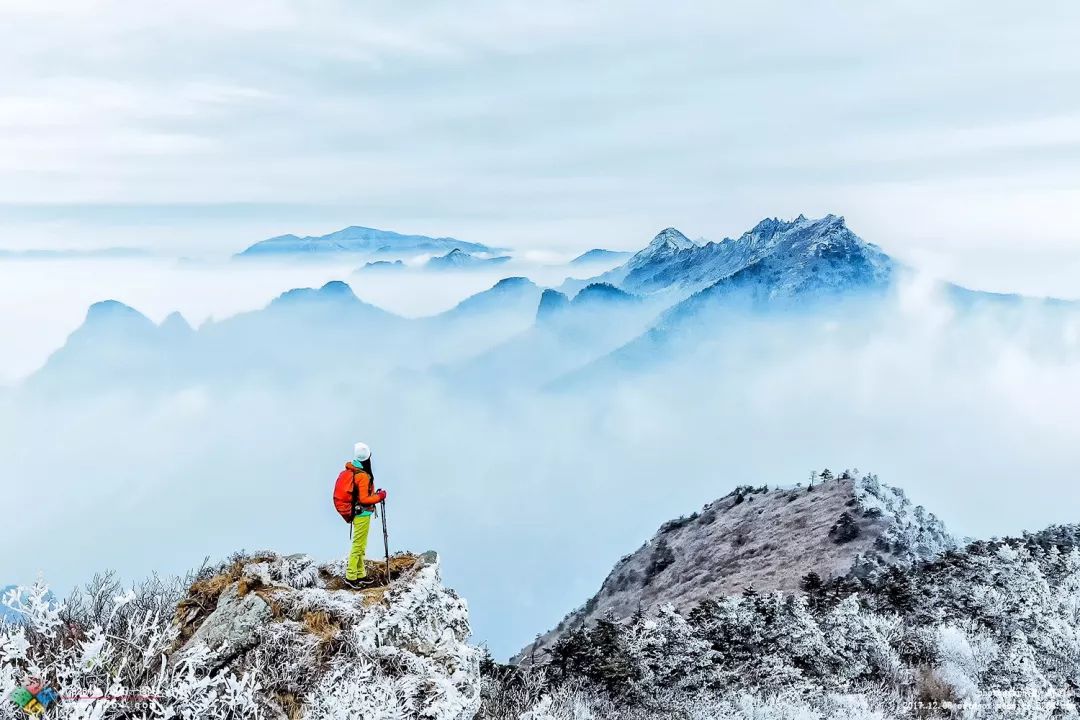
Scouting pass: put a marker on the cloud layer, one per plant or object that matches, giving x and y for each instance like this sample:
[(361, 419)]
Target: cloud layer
[(942, 132), (531, 496)]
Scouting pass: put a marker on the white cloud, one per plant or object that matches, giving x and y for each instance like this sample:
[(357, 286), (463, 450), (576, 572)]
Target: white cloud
[(547, 126)]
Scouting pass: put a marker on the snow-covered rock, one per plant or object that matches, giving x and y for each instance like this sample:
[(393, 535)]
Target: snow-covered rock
[(262, 636), (234, 624)]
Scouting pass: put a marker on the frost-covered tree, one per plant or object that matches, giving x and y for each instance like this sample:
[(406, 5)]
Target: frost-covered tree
[(995, 624)]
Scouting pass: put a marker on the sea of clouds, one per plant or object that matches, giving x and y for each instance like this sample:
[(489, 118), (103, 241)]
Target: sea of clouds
[(530, 494)]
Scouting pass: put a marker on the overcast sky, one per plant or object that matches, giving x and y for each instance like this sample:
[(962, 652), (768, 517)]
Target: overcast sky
[(948, 133)]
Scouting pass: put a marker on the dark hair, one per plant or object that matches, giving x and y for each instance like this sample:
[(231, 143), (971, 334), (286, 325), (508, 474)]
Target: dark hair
[(366, 465)]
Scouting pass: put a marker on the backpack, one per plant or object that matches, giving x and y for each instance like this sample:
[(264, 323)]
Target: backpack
[(345, 494)]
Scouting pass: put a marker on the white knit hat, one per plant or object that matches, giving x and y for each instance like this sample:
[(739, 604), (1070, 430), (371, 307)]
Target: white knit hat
[(361, 452)]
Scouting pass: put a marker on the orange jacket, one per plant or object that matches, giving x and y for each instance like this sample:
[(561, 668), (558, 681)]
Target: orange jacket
[(366, 496)]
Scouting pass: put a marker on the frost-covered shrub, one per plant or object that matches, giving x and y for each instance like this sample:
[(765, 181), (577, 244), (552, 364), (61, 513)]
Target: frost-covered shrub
[(113, 646), (256, 637)]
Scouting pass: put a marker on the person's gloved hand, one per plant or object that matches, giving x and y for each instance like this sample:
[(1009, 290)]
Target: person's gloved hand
[(381, 493)]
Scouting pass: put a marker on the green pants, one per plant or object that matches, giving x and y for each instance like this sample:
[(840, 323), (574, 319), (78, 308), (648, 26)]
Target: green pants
[(360, 525)]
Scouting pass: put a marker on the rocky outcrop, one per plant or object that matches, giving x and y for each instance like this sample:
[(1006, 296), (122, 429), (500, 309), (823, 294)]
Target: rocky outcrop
[(256, 637), (322, 651)]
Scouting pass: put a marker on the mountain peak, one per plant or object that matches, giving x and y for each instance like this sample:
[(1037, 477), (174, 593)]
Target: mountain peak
[(335, 290), (176, 324), (829, 220), (110, 308), (769, 539), (552, 304), (601, 292), (115, 313), (513, 283), (668, 244), (672, 238)]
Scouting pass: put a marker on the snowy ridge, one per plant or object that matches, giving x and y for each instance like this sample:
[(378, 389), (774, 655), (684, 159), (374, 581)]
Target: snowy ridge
[(989, 630), (790, 257), (765, 539)]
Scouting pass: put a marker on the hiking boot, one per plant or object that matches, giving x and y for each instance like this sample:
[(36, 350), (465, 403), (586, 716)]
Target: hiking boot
[(359, 584)]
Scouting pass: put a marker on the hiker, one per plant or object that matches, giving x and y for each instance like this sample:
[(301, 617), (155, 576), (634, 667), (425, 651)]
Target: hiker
[(355, 498)]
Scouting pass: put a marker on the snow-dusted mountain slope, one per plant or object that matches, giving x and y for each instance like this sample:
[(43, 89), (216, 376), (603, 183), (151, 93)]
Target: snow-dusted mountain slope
[(357, 240), (767, 540), (261, 636), (792, 257)]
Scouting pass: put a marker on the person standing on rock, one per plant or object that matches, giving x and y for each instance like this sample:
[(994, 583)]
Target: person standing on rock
[(355, 499)]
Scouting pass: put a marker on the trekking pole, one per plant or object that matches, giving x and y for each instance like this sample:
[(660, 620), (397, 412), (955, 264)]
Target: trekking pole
[(385, 542)]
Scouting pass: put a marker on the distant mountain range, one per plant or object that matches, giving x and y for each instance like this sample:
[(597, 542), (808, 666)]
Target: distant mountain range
[(356, 240), (300, 334), (781, 259), (661, 302)]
